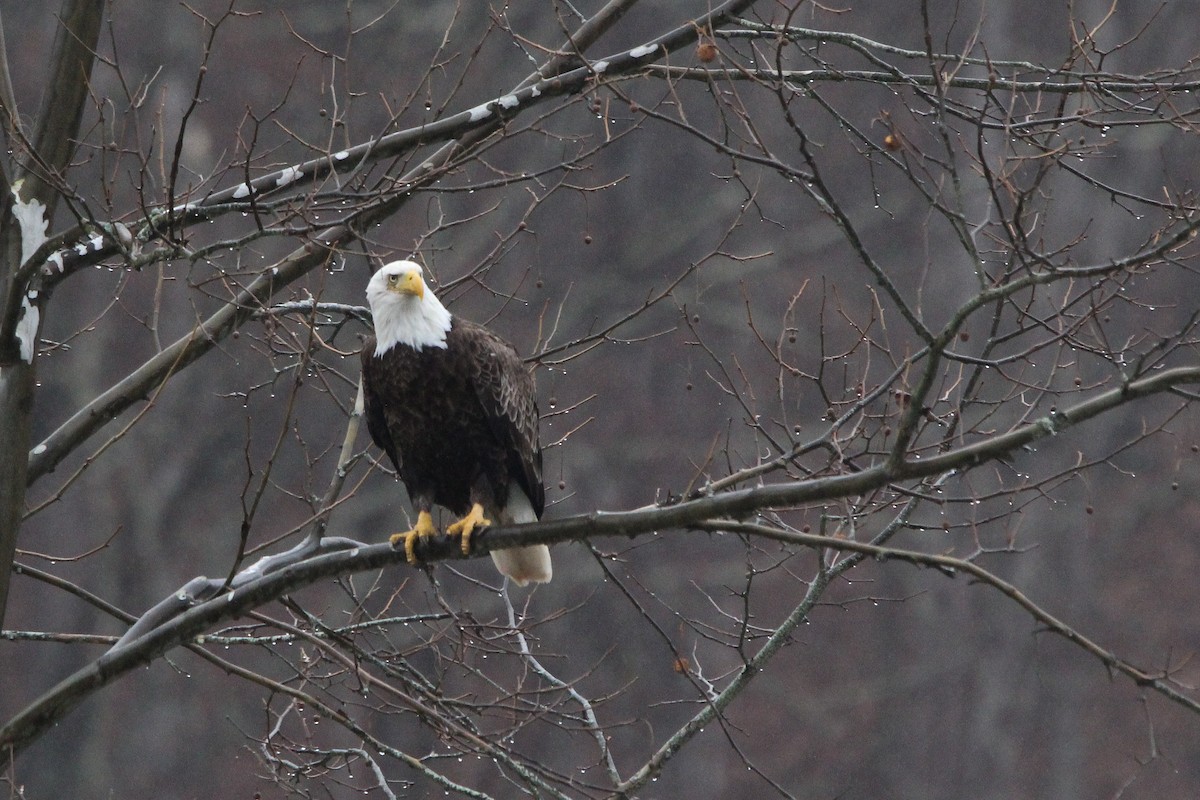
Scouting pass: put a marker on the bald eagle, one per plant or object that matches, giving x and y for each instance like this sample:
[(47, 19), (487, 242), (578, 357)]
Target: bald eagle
[(455, 409)]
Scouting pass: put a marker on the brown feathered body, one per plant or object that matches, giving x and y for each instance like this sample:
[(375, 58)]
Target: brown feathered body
[(459, 423)]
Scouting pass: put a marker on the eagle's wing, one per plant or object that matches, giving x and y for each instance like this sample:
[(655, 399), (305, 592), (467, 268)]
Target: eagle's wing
[(507, 391), (373, 407)]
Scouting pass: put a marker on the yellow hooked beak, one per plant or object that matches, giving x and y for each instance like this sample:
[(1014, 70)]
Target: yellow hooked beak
[(407, 283)]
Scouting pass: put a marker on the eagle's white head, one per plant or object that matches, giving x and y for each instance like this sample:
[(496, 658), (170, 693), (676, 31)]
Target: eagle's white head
[(403, 310)]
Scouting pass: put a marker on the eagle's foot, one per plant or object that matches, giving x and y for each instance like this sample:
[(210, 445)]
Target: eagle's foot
[(467, 525), (424, 527)]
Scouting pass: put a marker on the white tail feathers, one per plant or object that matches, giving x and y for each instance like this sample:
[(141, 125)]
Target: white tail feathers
[(522, 564)]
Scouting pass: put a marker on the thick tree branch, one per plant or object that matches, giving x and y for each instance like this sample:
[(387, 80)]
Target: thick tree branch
[(185, 618)]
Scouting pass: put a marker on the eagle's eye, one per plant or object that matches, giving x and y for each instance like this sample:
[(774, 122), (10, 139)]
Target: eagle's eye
[(392, 279)]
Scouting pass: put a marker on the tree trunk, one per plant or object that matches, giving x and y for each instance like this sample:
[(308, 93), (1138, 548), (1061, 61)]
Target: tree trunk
[(16, 405), (38, 178)]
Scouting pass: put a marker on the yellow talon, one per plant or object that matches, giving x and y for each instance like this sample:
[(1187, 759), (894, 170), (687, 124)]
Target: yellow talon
[(424, 527), (467, 525)]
